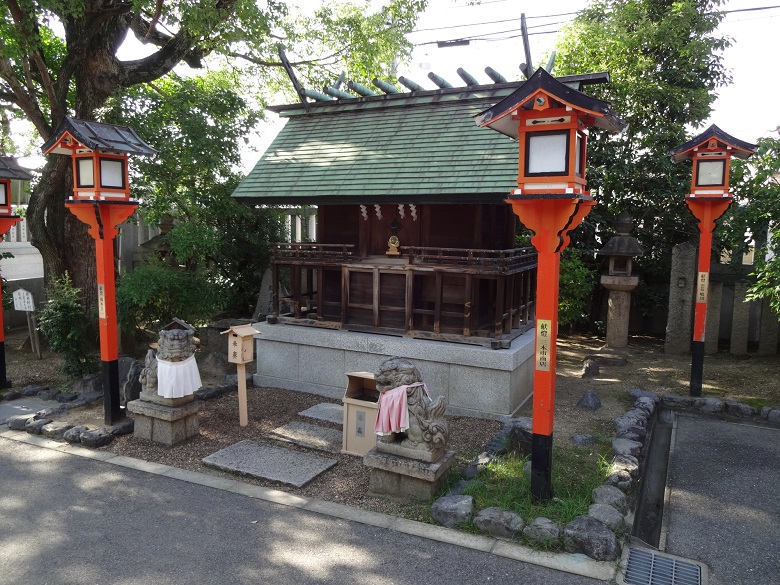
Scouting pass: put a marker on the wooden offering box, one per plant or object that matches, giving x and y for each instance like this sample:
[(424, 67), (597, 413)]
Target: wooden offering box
[(360, 408)]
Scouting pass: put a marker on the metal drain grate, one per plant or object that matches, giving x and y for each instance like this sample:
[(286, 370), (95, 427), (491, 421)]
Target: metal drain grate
[(645, 567)]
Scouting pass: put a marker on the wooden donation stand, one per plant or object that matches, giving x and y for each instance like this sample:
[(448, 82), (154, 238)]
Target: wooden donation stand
[(360, 407), (241, 352)]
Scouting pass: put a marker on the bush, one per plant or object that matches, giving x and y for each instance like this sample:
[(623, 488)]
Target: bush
[(576, 287), (67, 329), (153, 294)]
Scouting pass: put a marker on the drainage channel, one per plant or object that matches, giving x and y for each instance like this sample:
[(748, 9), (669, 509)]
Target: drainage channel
[(650, 502)]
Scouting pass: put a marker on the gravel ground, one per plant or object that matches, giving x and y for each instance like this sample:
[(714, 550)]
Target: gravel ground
[(648, 368)]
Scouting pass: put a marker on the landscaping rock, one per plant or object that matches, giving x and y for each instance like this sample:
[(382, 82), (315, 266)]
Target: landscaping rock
[(66, 397), (590, 368), (450, 511), (645, 404), (590, 537), (232, 380), (48, 394), (630, 435), (499, 522), (636, 393), (709, 405), (19, 421), (621, 479), (96, 438), (519, 436), (227, 388), (676, 401), (34, 426), (32, 390), (773, 415), (480, 462), (74, 435), (87, 384), (56, 429), (11, 395), (590, 400), (582, 439), (607, 515), (123, 427), (458, 488), (206, 393), (626, 463), (739, 409), (542, 530), (612, 496), (626, 447), (129, 379)]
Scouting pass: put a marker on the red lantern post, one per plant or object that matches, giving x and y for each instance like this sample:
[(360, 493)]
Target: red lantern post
[(550, 122), (711, 153), (101, 199), (9, 170)]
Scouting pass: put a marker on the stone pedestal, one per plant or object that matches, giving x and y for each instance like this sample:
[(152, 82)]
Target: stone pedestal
[(740, 320), (403, 478), (619, 308), (163, 423), (679, 324)]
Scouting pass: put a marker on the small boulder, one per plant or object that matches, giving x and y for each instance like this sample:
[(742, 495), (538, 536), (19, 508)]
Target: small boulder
[(34, 426), (450, 511), (590, 368), (459, 487), (499, 522), (48, 394), (18, 422), (74, 435), (675, 401), (582, 440), (96, 438), (206, 393), (739, 409), (626, 463), (11, 395), (626, 447), (612, 496), (590, 400), (129, 379), (709, 405), (542, 530), (87, 384), (32, 390), (607, 515), (480, 462), (56, 429), (66, 397), (588, 536), (232, 380), (645, 404), (123, 427), (636, 393), (620, 478), (773, 415)]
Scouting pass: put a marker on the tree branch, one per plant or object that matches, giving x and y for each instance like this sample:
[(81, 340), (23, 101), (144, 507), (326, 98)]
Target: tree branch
[(26, 102)]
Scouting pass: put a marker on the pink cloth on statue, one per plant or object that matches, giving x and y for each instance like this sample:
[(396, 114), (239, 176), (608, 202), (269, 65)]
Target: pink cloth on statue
[(393, 414), (177, 379)]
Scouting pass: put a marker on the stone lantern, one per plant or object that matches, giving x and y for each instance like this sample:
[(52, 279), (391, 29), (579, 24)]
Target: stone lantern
[(620, 250)]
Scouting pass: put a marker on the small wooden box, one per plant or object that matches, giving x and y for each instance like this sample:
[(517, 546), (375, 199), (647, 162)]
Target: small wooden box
[(241, 343), (361, 401)]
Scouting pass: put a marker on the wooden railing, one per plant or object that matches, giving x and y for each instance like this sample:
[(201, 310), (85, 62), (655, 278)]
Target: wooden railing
[(311, 252), (501, 261)]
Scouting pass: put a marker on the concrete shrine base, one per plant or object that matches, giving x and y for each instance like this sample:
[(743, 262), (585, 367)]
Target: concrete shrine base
[(167, 425), (474, 380), (403, 478)]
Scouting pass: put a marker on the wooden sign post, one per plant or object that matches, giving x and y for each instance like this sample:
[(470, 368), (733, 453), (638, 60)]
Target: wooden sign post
[(241, 346), (23, 301)]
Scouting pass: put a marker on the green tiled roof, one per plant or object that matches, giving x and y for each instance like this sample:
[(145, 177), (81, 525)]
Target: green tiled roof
[(423, 147)]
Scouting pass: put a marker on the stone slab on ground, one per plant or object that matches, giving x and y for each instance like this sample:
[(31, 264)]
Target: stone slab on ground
[(29, 405), (269, 462), (326, 411), (308, 435)]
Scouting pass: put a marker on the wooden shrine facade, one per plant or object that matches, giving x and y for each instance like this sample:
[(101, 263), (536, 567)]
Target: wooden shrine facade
[(454, 276)]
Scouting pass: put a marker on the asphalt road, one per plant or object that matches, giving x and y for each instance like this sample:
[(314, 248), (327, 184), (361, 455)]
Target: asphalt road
[(71, 520)]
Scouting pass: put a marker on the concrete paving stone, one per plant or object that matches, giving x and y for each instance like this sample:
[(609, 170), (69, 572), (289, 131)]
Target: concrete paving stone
[(269, 462), (308, 435), (325, 411)]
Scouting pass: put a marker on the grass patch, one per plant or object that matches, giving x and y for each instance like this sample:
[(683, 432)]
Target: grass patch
[(576, 472)]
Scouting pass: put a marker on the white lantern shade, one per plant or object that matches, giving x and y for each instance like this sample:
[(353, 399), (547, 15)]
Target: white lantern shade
[(547, 153), (710, 172), (112, 173), (580, 155), (85, 172), (3, 194)]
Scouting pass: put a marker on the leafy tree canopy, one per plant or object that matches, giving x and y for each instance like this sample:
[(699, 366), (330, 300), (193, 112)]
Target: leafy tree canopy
[(665, 63)]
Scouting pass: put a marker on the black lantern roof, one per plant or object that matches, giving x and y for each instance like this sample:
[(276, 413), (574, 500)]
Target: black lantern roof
[(10, 169), (498, 116), (739, 148), (98, 137)]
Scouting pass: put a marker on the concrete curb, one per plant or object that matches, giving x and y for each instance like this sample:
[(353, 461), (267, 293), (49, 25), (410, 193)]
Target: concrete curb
[(566, 562)]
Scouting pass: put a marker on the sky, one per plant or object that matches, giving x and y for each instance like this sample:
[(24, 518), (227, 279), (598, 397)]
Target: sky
[(751, 58)]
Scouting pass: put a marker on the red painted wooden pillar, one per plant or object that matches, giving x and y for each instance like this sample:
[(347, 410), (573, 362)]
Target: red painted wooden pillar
[(103, 219), (707, 210), (6, 223), (551, 218)]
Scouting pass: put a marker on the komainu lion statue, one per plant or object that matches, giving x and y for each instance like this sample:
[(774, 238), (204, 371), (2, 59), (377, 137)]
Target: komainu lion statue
[(427, 429)]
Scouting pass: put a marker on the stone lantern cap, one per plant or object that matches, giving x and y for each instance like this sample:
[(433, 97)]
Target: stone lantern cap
[(623, 244)]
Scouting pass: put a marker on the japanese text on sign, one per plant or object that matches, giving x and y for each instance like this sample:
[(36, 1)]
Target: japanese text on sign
[(23, 300), (102, 301), (543, 344), (703, 285)]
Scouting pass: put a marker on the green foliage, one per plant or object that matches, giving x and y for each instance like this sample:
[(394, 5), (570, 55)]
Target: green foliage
[(577, 282), (664, 61), (68, 331), (153, 294), (576, 472)]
